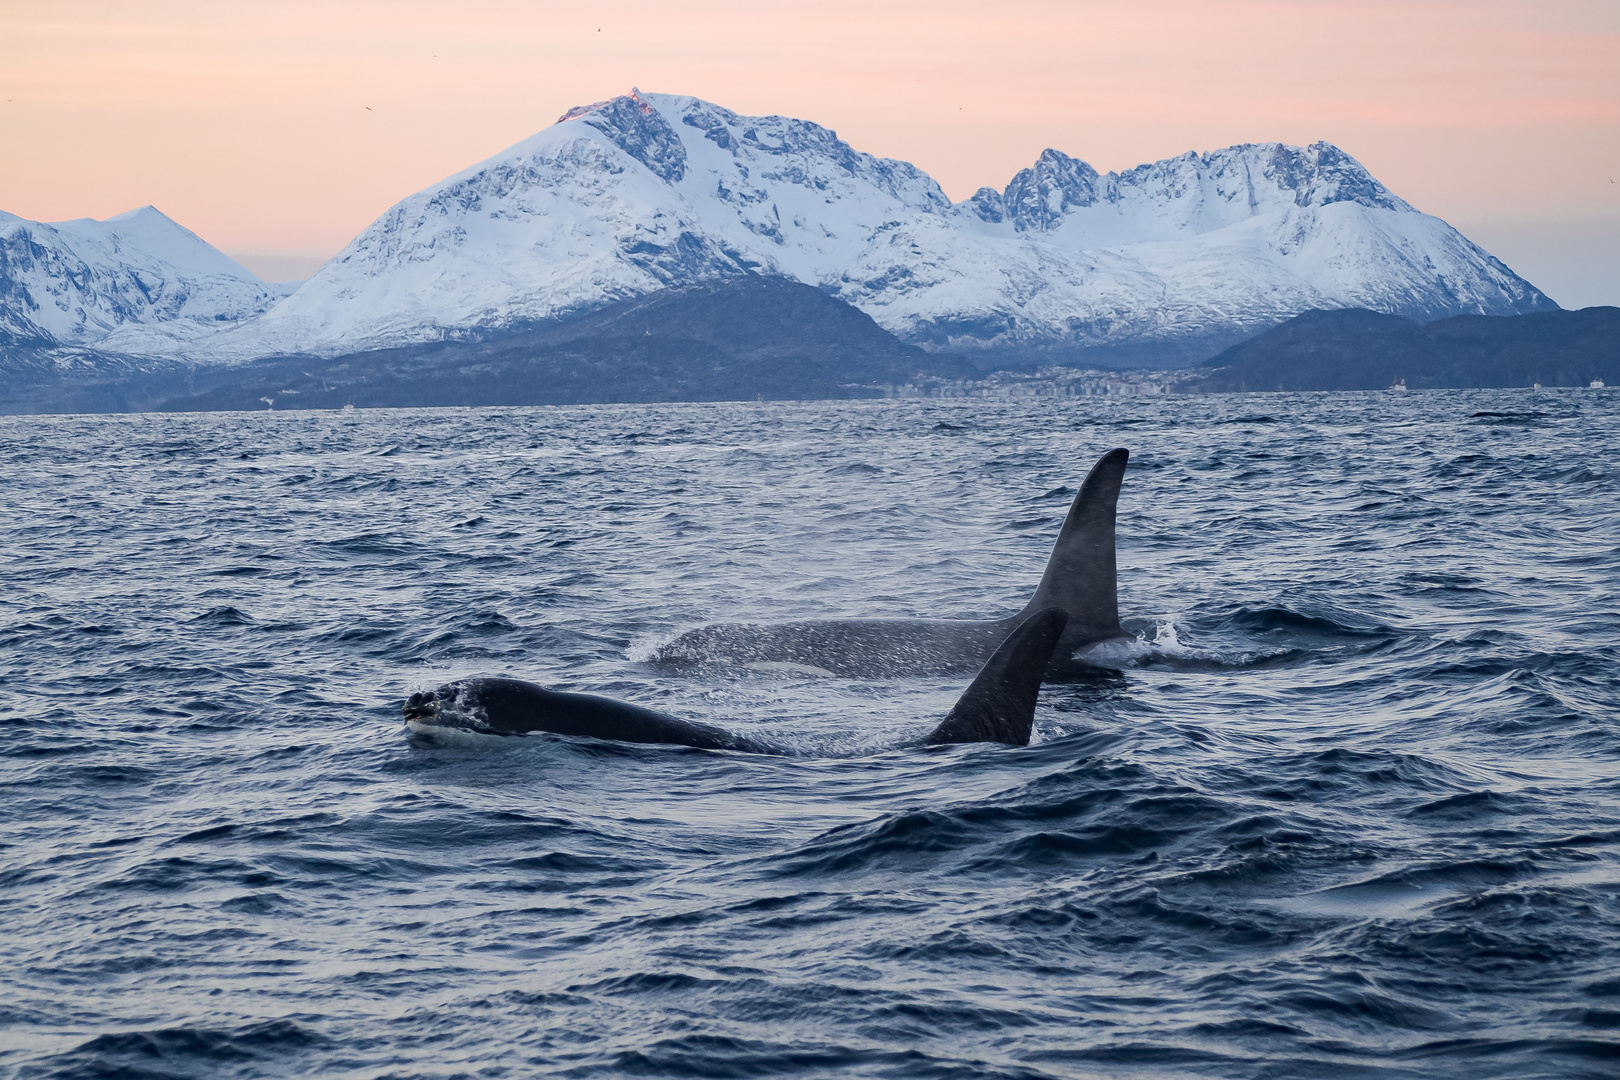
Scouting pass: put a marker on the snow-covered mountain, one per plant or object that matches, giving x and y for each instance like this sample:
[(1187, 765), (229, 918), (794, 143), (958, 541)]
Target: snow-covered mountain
[(134, 283), (640, 192)]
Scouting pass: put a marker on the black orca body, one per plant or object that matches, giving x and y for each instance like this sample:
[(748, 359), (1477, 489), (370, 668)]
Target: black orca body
[(998, 707), (1080, 578), (514, 707)]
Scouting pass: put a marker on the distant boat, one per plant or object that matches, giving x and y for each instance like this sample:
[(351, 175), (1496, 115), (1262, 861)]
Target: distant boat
[(1597, 384), (1535, 386), (1398, 384)]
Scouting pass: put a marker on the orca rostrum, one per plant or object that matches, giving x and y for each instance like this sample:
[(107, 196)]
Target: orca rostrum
[(1080, 578), (999, 705)]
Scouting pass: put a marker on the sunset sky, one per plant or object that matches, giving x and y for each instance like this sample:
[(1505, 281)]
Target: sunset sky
[(278, 129)]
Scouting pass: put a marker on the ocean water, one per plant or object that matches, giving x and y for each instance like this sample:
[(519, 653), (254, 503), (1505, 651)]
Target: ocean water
[(1348, 806)]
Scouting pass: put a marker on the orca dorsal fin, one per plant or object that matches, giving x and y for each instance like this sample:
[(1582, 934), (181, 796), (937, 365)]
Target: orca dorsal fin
[(1000, 704), (1080, 576)]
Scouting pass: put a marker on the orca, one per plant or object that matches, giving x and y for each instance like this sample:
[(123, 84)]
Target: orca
[(998, 707), (1080, 578)]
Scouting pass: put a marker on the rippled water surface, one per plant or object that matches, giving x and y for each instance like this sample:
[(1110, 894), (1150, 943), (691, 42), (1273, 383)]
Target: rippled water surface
[(1350, 807)]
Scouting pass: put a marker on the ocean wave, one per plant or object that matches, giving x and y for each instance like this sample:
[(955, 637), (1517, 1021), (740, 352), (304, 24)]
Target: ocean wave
[(1343, 803)]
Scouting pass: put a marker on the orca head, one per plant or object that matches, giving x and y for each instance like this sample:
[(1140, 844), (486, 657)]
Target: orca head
[(483, 706), (422, 708), (454, 705)]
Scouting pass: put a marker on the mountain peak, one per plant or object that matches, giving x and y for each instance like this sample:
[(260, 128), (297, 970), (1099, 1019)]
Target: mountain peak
[(634, 98), (638, 129), (142, 213), (1327, 175), (1037, 197)]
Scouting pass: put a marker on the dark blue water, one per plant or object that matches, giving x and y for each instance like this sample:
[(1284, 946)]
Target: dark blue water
[(1351, 806)]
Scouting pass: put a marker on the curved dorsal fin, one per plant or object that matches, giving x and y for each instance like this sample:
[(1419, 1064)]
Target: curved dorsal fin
[(1080, 575), (1000, 705)]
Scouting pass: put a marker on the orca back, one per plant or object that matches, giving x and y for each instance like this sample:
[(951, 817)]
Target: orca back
[(1000, 704), (515, 707)]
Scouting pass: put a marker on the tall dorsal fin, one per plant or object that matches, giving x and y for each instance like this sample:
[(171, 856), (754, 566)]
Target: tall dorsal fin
[(1080, 575), (1000, 705)]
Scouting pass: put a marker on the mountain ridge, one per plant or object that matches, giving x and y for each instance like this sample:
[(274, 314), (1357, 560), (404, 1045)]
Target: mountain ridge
[(735, 339), (1355, 349)]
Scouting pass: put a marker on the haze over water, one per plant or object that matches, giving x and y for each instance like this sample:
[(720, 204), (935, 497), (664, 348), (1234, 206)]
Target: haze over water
[(1349, 808)]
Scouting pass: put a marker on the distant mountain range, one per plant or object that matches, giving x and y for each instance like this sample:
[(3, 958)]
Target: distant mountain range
[(1163, 264), (1368, 350)]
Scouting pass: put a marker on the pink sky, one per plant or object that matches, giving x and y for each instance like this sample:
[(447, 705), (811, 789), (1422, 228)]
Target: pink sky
[(285, 126)]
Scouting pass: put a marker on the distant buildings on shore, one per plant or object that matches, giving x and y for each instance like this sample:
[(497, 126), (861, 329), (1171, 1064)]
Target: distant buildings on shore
[(1048, 382)]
